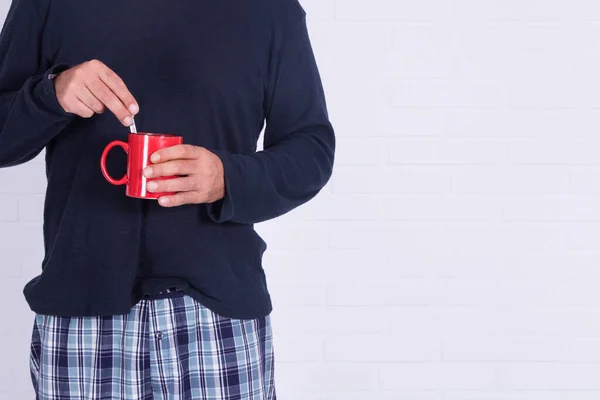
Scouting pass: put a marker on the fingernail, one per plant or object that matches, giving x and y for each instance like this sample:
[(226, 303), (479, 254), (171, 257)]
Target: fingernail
[(134, 108), (128, 121), (163, 201), (148, 172), (155, 158), (152, 186)]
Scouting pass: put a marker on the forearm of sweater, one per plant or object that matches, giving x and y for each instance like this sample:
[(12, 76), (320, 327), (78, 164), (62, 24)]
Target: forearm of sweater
[(30, 118), (272, 182)]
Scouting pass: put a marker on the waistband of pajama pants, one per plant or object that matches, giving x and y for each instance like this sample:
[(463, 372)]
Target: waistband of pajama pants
[(166, 294)]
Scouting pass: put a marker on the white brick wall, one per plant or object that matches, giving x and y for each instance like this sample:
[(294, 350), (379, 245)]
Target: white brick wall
[(455, 253)]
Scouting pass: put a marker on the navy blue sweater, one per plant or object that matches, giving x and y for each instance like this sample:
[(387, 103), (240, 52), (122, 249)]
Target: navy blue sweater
[(211, 71)]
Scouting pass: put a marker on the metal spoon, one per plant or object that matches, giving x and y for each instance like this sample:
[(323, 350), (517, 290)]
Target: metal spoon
[(133, 128)]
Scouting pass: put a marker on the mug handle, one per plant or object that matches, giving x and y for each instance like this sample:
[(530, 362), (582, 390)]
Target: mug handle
[(109, 178)]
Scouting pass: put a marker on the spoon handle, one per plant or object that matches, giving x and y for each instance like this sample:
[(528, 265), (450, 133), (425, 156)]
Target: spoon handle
[(133, 128)]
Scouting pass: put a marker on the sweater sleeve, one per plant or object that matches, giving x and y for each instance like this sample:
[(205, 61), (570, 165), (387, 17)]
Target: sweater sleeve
[(299, 141), (30, 115)]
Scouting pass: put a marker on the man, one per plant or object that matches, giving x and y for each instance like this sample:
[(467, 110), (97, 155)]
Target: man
[(139, 299)]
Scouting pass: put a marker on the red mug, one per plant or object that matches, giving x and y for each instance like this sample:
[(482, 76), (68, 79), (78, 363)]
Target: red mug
[(139, 148)]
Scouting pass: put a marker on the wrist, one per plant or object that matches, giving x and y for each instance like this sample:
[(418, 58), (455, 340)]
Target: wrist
[(48, 89)]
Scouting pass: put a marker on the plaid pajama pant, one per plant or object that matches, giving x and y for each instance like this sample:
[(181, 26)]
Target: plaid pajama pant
[(172, 349)]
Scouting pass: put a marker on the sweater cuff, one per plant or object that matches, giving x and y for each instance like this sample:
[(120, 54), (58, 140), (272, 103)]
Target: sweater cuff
[(223, 210), (48, 92)]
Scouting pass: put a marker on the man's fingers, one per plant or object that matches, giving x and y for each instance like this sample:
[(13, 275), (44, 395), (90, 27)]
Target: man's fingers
[(171, 185), (110, 100), (87, 98), (118, 87), (171, 168), (180, 199), (178, 152), (82, 110)]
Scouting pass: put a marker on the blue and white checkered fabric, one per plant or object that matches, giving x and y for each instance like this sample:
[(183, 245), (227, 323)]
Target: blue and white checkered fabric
[(172, 349)]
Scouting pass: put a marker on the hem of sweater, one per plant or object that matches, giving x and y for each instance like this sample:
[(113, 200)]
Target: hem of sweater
[(227, 311), (230, 311)]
